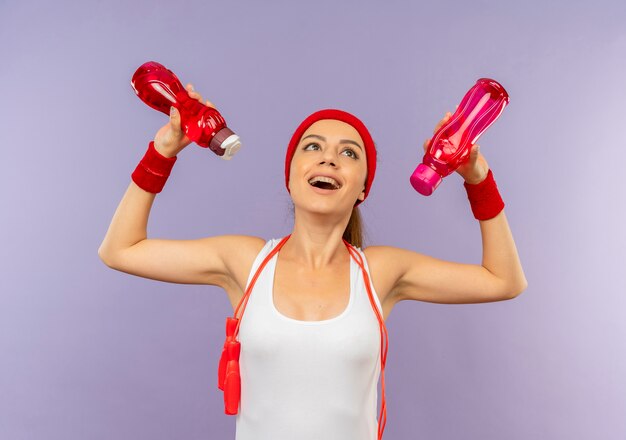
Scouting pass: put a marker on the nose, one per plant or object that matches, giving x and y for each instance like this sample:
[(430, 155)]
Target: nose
[(328, 157)]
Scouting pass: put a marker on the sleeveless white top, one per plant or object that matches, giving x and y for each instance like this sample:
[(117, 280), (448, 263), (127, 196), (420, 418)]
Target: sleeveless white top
[(308, 380)]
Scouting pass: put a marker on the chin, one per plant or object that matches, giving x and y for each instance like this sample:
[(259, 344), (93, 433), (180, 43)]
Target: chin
[(324, 206)]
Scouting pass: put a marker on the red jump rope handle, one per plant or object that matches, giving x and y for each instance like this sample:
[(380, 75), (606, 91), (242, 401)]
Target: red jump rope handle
[(232, 379), (231, 323), (221, 371)]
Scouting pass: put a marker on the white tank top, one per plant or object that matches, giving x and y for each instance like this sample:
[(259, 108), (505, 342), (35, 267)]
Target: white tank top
[(308, 380)]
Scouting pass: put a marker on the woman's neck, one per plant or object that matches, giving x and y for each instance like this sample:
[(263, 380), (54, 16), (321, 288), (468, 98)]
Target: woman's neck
[(316, 248)]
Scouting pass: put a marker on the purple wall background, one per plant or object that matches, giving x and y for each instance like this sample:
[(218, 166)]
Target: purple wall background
[(87, 352)]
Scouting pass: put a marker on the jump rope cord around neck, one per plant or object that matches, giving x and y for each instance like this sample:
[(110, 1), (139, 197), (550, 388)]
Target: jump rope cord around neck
[(384, 341)]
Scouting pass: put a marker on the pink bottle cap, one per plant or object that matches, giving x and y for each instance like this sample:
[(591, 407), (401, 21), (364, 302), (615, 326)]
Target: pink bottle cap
[(425, 180)]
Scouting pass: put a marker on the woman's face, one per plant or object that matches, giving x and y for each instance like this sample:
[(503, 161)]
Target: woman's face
[(332, 148)]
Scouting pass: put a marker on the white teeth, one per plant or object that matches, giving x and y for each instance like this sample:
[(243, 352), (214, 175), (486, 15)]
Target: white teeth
[(324, 179)]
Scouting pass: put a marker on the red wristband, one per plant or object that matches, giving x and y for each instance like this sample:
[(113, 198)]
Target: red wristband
[(153, 170), (484, 198)]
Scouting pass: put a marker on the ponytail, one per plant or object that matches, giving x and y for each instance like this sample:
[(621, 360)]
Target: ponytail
[(354, 230)]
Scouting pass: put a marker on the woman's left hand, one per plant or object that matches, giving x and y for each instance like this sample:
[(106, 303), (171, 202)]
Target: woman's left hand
[(474, 170)]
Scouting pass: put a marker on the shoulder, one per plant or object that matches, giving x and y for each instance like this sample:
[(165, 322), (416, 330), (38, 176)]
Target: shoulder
[(239, 255), (243, 245), (385, 269), (246, 246), (384, 258), (381, 255), (396, 261)]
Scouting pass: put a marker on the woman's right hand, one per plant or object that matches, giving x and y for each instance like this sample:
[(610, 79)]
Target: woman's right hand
[(170, 139)]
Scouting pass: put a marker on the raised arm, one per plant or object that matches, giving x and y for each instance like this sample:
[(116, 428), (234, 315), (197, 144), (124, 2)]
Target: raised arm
[(209, 260), (500, 275)]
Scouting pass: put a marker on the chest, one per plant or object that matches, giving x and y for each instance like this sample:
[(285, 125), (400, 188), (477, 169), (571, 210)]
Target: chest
[(310, 295), (315, 296)]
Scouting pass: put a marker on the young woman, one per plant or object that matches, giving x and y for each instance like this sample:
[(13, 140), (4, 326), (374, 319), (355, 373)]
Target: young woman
[(310, 340)]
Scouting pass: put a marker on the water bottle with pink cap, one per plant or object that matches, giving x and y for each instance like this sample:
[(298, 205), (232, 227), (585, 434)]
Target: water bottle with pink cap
[(451, 144)]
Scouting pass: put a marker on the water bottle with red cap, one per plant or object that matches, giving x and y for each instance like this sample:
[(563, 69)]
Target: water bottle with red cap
[(451, 144), (161, 89)]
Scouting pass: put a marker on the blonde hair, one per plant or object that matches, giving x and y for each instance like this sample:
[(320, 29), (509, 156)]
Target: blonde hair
[(354, 230)]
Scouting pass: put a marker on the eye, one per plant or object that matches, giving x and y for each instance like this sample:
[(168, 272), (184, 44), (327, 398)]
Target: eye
[(307, 145), (354, 155)]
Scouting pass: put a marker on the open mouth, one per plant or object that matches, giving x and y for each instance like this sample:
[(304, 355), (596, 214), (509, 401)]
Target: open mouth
[(324, 185)]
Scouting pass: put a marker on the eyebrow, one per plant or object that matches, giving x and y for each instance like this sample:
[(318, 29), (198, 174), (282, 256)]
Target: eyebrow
[(341, 141)]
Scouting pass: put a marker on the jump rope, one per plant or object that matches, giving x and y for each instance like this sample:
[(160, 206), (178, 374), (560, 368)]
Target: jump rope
[(229, 379)]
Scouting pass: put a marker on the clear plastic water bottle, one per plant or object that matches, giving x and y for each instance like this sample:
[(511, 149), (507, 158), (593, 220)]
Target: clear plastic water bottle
[(451, 144), (160, 88)]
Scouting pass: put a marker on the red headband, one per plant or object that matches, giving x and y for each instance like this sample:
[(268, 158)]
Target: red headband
[(370, 149)]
